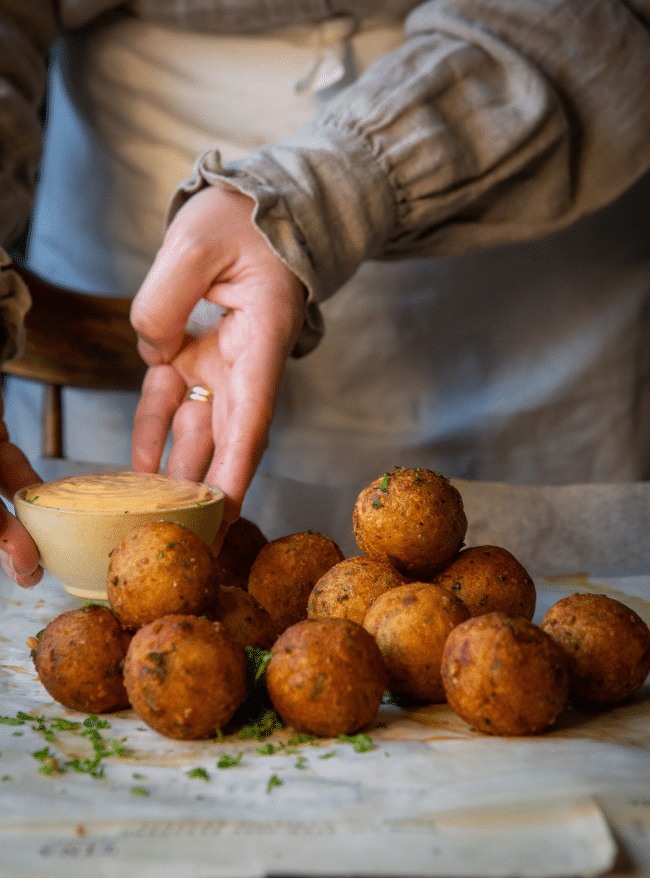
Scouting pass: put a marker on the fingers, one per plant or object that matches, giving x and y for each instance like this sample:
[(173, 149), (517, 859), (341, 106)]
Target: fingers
[(221, 441), (19, 556), (195, 253), (213, 250), (193, 443), (242, 417), (15, 469), (176, 281), (162, 392)]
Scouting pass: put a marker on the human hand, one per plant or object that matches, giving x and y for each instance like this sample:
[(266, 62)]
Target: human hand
[(19, 556), (212, 250)]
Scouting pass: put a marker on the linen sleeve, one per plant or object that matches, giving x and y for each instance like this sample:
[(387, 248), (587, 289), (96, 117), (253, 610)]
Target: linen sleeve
[(15, 302), (494, 122), (27, 31)]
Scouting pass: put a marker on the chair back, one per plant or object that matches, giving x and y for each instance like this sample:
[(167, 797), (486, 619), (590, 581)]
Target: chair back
[(75, 339)]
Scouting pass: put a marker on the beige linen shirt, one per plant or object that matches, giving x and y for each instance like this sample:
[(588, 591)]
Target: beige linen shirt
[(495, 121)]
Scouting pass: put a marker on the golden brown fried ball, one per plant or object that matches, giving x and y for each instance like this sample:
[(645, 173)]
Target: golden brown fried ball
[(607, 646), (349, 588), (503, 675), (412, 518), (326, 677), (80, 657), (243, 617), (286, 570), (410, 624), (489, 579), (185, 676), (239, 549), (158, 569)]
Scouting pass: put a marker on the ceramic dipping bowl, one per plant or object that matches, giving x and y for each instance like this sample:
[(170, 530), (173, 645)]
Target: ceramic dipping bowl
[(75, 543)]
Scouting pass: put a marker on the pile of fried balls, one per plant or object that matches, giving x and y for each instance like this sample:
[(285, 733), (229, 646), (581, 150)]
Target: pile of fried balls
[(417, 615)]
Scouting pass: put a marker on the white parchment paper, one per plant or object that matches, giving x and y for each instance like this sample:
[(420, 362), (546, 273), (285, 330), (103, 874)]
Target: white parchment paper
[(431, 797)]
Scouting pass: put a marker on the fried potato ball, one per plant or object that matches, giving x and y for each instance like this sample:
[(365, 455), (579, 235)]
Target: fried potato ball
[(185, 676), (239, 549), (243, 617), (79, 660), (349, 588), (286, 570), (410, 624), (607, 646), (326, 677), (503, 675), (489, 579), (158, 569), (412, 518)]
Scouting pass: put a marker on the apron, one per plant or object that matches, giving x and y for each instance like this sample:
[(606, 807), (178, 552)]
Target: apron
[(523, 363)]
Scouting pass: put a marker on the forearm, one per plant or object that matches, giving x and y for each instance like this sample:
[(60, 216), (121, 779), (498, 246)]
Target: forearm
[(477, 131)]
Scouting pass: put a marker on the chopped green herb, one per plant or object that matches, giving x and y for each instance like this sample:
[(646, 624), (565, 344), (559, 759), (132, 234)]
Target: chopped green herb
[(266, 749), (301, 762), (88, 766), (257, 660), (92, 721), (101, 748), (64, 725), (198, 772), (328, 755), (274, 781), (227, 761), (361, 743), (38, 724), (11, 721), (268, 723), (139, 791), (383, 486), (302, 738), (49, 762), (42, 755)]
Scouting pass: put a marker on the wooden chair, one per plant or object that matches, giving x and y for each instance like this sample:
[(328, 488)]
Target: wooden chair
[(74, 340)]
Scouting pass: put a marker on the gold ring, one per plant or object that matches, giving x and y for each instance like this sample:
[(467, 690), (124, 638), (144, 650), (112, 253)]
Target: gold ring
[(201, 394)]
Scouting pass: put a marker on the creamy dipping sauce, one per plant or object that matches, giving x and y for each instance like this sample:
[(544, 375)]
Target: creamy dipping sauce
[(118, 492)]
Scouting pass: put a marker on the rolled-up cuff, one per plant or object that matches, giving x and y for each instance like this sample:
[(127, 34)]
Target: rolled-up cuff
[(322, 239), (208, 171)]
